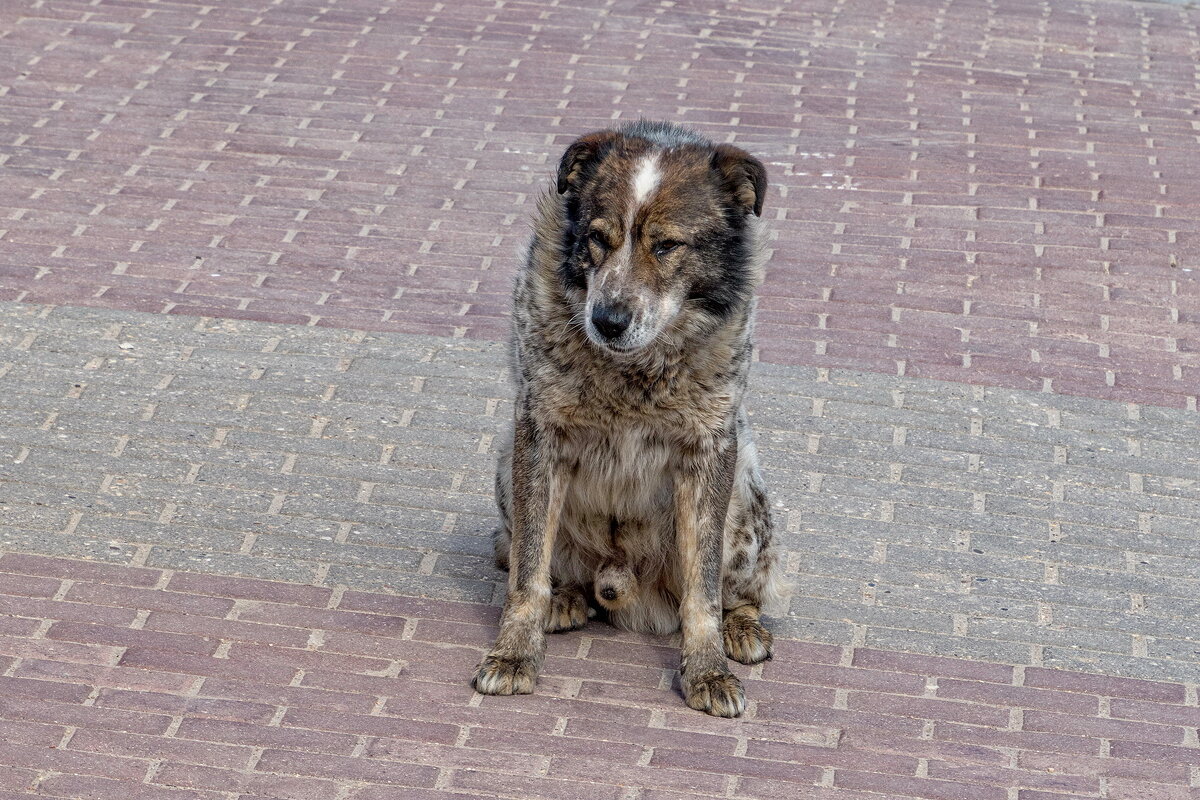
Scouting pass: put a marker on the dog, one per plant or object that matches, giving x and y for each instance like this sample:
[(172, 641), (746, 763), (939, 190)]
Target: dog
[(629, 484)]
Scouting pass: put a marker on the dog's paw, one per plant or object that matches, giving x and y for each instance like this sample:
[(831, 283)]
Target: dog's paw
[(717, 693), (568, 610), (746, 640), (498, 674)]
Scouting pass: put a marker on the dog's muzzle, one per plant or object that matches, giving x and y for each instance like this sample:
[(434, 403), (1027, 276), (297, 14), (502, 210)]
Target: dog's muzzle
[(611, 321)]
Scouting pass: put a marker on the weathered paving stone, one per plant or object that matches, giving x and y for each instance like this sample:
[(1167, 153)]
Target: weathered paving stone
[(18, 540), (978, 354), (436, 586), (288, 548), (231, 563), (983, 648), (977, 540)]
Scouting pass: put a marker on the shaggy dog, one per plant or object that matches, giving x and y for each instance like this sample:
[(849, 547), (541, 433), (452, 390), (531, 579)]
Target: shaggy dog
[(630, 476)]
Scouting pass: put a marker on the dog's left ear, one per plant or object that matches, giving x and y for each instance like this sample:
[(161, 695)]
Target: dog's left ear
[(582, 151), (744, 176)]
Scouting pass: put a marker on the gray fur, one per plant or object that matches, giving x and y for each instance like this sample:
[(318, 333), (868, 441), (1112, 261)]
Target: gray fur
[(633, 468)]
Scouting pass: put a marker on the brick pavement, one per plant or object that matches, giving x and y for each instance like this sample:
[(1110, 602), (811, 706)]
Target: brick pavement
[(1004, 525), (244, 542), (994, 589), (145, 683), (998, 193)]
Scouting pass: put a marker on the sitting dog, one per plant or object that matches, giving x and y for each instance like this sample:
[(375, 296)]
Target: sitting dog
[(630, 475)]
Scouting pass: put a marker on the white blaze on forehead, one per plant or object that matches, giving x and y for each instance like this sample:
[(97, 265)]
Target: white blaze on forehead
[(645, 180)]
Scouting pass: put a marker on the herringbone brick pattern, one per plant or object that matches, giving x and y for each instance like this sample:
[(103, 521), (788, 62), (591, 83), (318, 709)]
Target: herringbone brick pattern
[(961, 190)]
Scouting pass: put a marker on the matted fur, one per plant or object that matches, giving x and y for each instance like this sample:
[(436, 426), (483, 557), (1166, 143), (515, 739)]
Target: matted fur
[(618, 435)]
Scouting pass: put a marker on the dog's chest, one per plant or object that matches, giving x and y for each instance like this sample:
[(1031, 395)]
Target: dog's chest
[(634, 410), (624, 472)]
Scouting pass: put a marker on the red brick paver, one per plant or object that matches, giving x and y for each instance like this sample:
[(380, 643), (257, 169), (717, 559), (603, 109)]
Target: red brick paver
[(357, 695), (1000, 193)]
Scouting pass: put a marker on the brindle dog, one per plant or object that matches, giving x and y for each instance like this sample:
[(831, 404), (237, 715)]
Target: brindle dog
[(630, 475)]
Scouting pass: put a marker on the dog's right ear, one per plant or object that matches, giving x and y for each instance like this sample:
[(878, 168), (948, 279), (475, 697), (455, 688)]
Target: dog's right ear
[(581, 152), (744, 176)]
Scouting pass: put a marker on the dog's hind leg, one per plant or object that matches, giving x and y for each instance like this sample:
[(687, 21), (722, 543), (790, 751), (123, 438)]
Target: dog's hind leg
[(568, 609), (502, 535), (751, 570), (746, 640)]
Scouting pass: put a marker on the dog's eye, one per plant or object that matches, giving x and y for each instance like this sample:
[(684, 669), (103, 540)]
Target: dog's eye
[(666, 246), (597, 238)]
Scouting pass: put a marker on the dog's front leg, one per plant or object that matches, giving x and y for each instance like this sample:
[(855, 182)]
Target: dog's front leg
[(702, 489), (537, 483)]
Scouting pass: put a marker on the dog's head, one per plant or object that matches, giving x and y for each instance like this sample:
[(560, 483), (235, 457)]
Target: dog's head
[(659, 231)]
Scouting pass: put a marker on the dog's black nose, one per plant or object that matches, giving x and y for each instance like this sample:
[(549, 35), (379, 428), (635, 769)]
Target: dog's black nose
[(611, 321)]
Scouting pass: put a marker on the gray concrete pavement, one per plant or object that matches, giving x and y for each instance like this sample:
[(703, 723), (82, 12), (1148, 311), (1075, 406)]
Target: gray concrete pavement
[(920, 516)]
